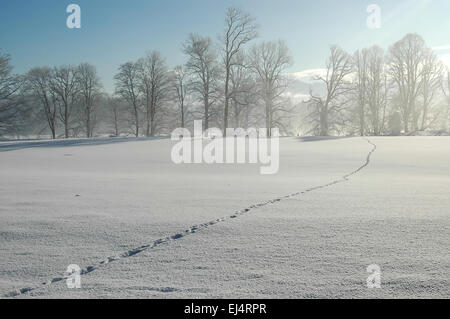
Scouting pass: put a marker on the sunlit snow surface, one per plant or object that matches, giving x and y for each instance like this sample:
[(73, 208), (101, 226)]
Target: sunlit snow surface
[(80, 202)]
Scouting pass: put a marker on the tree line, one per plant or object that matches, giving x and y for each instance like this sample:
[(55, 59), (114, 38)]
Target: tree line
[(232, 82), (374, 92)]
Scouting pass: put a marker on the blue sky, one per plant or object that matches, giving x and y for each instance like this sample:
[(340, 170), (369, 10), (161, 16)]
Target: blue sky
[(34, 32)]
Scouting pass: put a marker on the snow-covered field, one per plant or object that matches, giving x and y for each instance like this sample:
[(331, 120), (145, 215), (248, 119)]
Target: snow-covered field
[(120, 209)]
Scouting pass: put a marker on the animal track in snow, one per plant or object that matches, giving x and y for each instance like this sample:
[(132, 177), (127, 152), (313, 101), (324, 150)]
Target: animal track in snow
[(195, 228)]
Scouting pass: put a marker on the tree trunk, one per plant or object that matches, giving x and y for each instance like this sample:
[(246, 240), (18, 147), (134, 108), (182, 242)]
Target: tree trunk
[(88, 123), (116, 125), (424, 116), (149, 110), (405, 124), (66, 122), (152, 121), (136, 117), (268, 116), (324, 123), (182, 114), (206, 101), (225, 115), (361, 119), (236, 115)]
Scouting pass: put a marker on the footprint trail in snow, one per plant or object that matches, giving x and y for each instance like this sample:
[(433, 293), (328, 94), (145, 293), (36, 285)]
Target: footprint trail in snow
[(193, 229)]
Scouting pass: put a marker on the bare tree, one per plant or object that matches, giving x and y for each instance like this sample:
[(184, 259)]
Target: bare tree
[(115, 116), (360, 65), (127, 88), (181, 91), (431, 81), (203, 70), (90, 86), (10, 98), (244, 97), (327, 110), (377, 89), (65, 87), (154, 84), (240, 29), (270, 60), (38, 83), (405, 60)]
